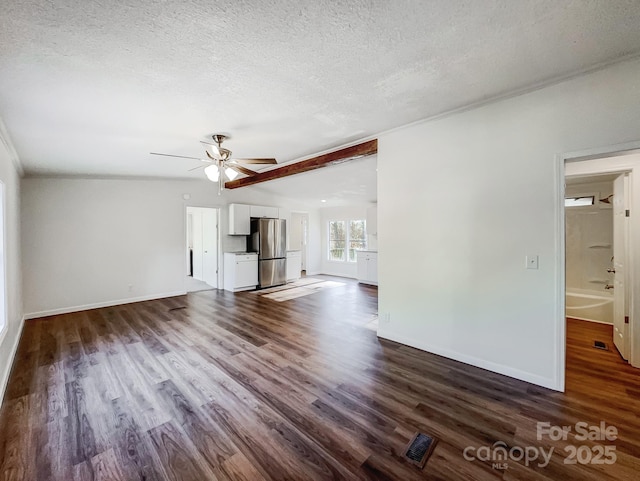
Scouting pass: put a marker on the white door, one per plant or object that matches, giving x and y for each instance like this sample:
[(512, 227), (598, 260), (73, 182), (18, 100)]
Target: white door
[(196, 242), (620, 231), (209, 247), (202, 236), (305, 241), (298, 236)]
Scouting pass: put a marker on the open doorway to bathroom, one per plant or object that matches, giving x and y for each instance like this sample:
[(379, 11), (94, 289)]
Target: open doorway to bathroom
[(201, 249), (600, 257)]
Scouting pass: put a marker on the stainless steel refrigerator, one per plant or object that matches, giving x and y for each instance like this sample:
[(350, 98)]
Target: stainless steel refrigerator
[(268, 239)]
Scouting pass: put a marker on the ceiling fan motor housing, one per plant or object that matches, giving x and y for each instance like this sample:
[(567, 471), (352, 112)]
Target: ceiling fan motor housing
[(219, 138)]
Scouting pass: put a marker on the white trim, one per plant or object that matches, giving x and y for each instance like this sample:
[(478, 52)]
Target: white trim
[(474, 361), (560, 339), (619, 151), (4, 321), (5, 139), (66, 310), (616, 150), (4, 380)]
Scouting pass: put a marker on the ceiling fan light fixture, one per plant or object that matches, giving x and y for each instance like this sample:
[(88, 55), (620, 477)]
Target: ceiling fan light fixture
[(212, 173), (230, 173), (215, 150)]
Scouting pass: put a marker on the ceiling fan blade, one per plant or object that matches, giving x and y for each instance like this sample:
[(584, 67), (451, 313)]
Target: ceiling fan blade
[(178, 156), (242, 170), (257, 161), (215, 148)]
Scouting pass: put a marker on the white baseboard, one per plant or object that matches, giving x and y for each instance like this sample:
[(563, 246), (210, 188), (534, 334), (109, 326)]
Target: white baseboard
[(4, 380), (66, 310), (474, 361), (332, 274)]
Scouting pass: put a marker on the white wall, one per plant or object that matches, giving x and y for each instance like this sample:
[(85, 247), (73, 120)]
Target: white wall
[(589, 239), (482, 193), (327, 214), (314, 259), (87, 241), (9, 336)]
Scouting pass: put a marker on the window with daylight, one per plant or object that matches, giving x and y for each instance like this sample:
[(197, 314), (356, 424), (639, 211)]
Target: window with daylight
[(345, 239), (3, 274), (337, 240), (357, 238), (582, 201)]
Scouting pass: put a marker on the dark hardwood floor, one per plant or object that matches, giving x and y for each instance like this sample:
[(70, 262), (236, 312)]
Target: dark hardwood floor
[(225, 386)]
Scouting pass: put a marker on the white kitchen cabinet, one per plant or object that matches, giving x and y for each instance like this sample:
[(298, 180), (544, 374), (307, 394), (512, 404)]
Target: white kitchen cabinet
[(263, 211), (240, 271), (367, 267), (239, 219), (294, 265), (372, 220)]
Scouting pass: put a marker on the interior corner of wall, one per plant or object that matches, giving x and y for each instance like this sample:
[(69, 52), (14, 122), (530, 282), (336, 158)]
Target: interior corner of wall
[(4, 375)]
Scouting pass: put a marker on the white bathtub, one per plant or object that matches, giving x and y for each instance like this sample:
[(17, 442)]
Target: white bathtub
[(587, 305)]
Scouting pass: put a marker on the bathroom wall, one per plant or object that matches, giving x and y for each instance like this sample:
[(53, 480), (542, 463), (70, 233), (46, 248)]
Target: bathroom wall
[(589, 238)]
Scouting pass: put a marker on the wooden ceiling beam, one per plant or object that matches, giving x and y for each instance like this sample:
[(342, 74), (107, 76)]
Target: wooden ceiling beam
[(324, 160)]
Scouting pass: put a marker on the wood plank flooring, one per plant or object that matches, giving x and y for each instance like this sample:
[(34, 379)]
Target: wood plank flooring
[(215, 385)]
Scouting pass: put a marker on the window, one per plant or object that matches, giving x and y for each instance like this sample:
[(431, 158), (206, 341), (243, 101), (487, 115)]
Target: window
[(337, 240), (345, 238), (3, 284), (357, 238), (581, 201)]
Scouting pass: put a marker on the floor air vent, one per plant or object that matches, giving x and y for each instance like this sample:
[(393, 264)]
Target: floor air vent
[(419, 449), (600, 345), (177, 308)]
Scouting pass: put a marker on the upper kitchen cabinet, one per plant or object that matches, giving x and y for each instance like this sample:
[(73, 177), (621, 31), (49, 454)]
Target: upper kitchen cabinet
[(240, 219), (372, 220), (262, 211)]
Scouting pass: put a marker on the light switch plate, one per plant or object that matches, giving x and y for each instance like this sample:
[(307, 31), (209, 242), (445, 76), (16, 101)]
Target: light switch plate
[(532, 261)]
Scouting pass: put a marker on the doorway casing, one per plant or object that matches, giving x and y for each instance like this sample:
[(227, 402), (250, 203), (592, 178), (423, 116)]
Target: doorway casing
[(613, 159), (211, 230)]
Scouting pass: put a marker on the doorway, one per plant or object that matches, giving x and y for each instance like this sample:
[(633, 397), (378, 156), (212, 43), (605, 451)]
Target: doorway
[(201, 248), (299, 236), (596, 255), (602, 193)]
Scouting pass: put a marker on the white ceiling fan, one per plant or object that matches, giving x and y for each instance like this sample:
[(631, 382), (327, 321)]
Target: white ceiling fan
[(220, 163)]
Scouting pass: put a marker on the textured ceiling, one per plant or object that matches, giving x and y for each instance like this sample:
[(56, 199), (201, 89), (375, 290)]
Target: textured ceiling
[(91, 87)]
